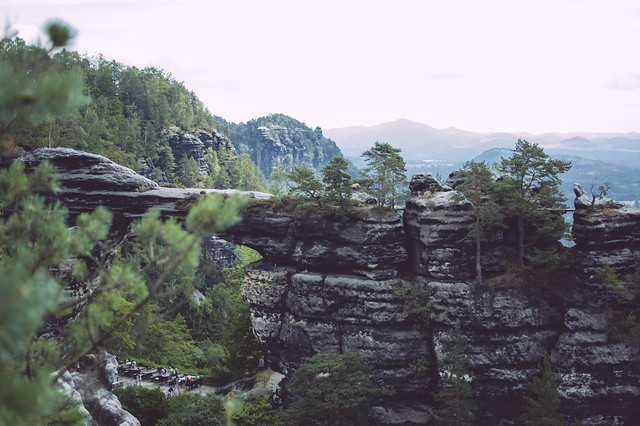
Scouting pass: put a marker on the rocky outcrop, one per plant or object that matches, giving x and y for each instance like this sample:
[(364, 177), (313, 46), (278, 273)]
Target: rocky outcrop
[(367, 245), (184, 144), (90, 386), (278, 140), (333, 284), (437, 221), (603, 231), (297, 313), (220, 251), (88, 181)]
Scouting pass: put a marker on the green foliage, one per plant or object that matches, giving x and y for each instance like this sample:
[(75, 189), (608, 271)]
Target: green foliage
[(332, 194), (169, 343), (125, 114), (288, 131), (31, 95), (149, 406), (336, 390), (305, 183), (530, 192), (338, 183), (614, 292), (258, 412), (384, 174), (192, 409), (189, 173), (418, 303), (279, 185), (479, 189), (543, 404), (242, 345), (556, 261), (35, 237), (455, 395)]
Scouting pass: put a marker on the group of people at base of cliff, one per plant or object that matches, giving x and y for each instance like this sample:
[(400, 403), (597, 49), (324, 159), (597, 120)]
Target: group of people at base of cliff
[(172, 377)]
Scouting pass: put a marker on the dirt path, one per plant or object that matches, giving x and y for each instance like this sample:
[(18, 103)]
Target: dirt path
[(266, 383)]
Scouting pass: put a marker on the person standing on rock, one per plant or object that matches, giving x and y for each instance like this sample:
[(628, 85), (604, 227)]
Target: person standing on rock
[(261, 362)]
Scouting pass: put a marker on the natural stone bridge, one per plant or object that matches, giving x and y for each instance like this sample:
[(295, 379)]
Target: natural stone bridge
[(332, 285)]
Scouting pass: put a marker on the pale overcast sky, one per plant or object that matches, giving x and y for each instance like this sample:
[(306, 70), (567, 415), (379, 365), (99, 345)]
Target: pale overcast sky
[(490, 65)]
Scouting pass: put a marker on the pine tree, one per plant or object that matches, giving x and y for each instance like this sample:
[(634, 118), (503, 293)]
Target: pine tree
[(455, 396), (304, 182), (530, 192), (543, 404), (337, 182), (479, 189), (385, 172), (336, 390)]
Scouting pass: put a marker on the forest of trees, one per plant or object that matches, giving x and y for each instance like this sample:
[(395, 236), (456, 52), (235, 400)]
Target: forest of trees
[(124, 114), (318, 149), (141, 304)]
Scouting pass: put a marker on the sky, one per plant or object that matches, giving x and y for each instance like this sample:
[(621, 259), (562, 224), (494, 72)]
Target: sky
[(492, 65)]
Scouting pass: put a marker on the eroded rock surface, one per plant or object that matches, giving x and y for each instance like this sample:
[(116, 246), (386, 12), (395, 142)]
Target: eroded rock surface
[(603, 231), (91, 387), (328, 284)]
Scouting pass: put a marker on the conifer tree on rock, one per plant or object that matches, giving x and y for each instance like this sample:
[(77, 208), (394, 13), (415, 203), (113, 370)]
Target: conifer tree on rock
[(338, 182), (543, 404), (530, 192), (479, 189), (455, 396), (384, 174), (336, 390)]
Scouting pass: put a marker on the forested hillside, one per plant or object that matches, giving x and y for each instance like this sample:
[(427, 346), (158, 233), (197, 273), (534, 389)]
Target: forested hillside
[(149, 296), (141, 118), (279, 140)]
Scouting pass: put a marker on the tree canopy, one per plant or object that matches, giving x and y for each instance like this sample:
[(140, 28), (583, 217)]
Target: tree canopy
[(530, 191), (336, 389), (384, 174), (479, 189), (118, 111), (35, 237)]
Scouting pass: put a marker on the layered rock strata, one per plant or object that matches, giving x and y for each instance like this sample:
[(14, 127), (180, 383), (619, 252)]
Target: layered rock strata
[(185, 144), (89, 180), (603, 231), (329, 284)]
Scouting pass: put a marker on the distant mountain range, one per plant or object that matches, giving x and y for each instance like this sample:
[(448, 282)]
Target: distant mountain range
[(596, 157)]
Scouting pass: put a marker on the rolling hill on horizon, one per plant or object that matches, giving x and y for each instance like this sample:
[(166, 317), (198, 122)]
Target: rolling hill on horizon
[(613, 158), (418, 140)]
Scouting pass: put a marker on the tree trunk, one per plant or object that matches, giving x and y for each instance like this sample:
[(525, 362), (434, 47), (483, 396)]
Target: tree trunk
[(520, 241), (478, 253)]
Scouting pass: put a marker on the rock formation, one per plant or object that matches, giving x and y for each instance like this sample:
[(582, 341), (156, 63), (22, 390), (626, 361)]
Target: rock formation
[(280, 140), (185, 144), (91, 387), (331, 284)]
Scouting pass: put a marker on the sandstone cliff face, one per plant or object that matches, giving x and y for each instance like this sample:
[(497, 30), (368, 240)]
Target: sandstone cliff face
[(196, 145), (332, 285), (91, 388), (280, 140), (90, 180), (510, 324), (603, 231)]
